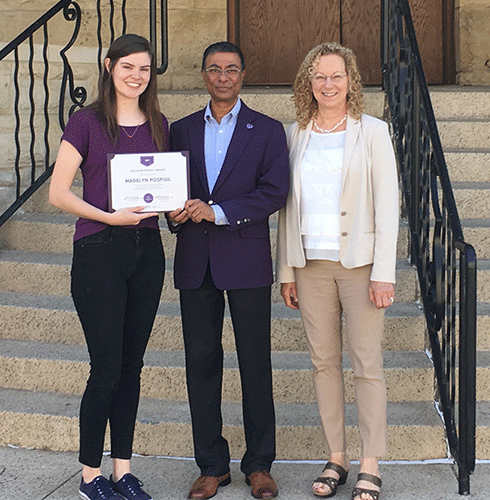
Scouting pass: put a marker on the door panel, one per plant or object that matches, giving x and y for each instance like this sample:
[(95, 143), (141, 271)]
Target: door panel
[(427, 19), (275, 35), (361, 33)]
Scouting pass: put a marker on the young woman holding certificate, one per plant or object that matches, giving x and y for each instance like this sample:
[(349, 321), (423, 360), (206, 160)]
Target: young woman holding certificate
[(118, 260)]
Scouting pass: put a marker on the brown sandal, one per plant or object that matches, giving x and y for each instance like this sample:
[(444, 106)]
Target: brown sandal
[(331, 482), (364, 476)]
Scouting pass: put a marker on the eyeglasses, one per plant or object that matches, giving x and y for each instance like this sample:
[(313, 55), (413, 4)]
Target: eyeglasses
[(229, 72), (321, 79)]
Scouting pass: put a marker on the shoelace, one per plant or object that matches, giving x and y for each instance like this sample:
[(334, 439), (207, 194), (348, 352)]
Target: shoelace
[(132, 483), (104, 489)]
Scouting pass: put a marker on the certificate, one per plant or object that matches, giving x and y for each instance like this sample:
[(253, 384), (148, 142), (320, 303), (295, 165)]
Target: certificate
[(157, 181)]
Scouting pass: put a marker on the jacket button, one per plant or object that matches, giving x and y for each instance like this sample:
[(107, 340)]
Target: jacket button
[(343, 213), (344, 234), (210, 202), (238, 221)]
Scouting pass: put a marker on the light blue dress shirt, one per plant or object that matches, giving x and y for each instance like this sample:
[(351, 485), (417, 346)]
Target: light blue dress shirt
[(217, 138)]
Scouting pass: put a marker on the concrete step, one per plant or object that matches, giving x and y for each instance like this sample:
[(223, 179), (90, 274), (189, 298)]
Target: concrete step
[(49, 273), (43, 318), (468, 166), (39, 201), (53, 233), (49, 420), (448, 102), (55, 367), (454, 101), (64, 368), (469, 134), (472, 199), (276, 102)]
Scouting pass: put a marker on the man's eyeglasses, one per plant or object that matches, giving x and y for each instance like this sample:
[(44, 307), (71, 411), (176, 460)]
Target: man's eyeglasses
[(229, 72)]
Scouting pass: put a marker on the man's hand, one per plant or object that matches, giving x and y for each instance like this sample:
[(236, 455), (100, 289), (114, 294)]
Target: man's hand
[(178, 216), (198, 210)]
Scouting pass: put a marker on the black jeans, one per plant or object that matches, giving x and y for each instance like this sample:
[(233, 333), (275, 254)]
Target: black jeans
[(116, 283)]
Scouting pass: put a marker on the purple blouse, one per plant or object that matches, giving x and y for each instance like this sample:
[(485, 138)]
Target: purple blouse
[(85, 133)]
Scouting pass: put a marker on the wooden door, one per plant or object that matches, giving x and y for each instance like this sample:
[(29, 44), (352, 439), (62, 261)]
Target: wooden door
[(275, 35), (361, 32)]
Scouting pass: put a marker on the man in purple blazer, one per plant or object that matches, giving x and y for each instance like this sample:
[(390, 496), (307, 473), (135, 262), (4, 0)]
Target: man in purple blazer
[(239, 176)]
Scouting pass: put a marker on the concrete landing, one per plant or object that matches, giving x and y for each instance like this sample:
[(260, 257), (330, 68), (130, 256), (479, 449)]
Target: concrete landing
[(45, 475)]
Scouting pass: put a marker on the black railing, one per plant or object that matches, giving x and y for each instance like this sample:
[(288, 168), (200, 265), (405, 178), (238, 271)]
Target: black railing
[(30, 171), (446, 264), (158, 39), (33, 168)]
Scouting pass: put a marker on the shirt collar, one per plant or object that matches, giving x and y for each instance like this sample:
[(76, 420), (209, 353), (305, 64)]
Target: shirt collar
[(232, 115)]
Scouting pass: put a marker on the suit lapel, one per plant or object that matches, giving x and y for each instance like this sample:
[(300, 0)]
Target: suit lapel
[(297, 152), (353, 129), (241, 135), (196, 137)]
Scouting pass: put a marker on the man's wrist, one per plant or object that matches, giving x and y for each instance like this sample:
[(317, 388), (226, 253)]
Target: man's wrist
[(220, 218)]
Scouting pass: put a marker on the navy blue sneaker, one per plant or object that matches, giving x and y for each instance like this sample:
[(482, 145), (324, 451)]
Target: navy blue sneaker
[(98, 489), (130, 488)]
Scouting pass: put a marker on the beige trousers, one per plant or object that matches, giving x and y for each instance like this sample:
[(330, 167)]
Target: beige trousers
[(326, 290)]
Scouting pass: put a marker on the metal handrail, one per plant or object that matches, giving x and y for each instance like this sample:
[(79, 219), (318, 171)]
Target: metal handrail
[(71, 12), (78, 95), (160, 49), (436, 235)]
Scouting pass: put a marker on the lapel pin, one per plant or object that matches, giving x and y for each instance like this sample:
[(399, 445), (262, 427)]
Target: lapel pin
[(249, 126)]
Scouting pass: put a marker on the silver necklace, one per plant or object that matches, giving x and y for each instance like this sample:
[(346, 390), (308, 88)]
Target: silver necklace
[(326, 130), (133, 134)]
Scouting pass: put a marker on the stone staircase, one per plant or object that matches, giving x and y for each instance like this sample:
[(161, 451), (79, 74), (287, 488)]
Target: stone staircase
[(44, 362)]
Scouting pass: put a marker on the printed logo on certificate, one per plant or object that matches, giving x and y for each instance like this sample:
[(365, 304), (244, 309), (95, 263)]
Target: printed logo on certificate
[(157, 181)]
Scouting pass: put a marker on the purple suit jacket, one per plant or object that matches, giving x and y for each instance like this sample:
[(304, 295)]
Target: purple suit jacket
[(253, 184)]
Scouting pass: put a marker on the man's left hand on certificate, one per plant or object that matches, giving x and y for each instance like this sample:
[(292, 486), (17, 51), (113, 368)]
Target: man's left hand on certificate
[(199, 211), (178, 216)]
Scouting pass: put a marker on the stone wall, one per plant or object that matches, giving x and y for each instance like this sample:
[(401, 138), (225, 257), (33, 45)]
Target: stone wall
[(473, 42), (192, 26)]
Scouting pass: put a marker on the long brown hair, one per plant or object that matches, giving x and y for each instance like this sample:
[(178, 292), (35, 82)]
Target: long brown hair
[(106, 105)]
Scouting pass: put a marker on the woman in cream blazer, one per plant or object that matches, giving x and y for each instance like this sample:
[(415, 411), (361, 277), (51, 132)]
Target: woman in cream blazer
[(359, 282)]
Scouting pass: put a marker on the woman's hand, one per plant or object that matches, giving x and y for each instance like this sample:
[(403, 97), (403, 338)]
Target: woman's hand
[(381, 294), (60, 194), (289, 293), (130, 216)]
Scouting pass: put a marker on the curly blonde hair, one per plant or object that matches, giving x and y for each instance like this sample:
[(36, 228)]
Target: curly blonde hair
[(305, 103)]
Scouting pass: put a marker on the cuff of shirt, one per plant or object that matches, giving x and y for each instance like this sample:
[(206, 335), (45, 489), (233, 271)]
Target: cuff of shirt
[(219, 216)]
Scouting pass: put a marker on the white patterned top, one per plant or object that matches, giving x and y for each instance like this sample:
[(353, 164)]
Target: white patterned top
[(321, 181)]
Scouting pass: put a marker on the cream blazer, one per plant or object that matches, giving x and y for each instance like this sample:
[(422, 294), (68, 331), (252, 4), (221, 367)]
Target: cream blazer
[(369, 206)]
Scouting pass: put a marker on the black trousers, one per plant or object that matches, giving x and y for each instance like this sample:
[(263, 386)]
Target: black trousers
[(202, 320), (116, 282)]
